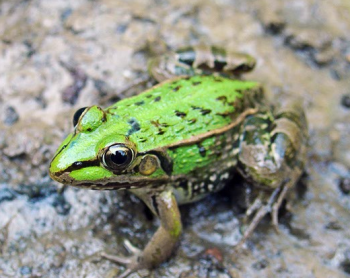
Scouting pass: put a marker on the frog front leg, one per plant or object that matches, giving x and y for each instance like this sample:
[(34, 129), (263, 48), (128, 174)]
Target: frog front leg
[(272, 150), (161, 245)]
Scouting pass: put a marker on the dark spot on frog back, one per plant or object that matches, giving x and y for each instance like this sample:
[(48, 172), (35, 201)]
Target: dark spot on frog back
[(180, 114), (192, 121), (202, 151), (135, 126), (158, 124), (157, 99), (139, 103), (160, 127), (225, 114), (176, 88), (203, 111), (223, 99)]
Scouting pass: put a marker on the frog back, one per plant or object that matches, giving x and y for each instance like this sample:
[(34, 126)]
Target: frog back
[(180, 109)]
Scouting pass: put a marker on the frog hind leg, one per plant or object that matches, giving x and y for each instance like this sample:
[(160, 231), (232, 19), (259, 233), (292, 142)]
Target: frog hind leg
[(200, 60), (162, 243), (272, 149)]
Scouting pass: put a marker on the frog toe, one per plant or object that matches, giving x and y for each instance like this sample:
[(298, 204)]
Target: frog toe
[(257, 203), (131, 248), (117, 259), (276, 206), (272, 205), (125, 273), (132, 263), (135, 253)]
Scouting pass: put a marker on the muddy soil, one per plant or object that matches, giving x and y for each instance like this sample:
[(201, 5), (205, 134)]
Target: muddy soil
[(58, 56)]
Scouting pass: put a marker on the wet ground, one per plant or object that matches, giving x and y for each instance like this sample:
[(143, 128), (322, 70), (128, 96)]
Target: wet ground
[(57, 56)]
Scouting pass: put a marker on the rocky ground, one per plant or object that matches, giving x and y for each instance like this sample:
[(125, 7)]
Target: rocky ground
[(57, 56)]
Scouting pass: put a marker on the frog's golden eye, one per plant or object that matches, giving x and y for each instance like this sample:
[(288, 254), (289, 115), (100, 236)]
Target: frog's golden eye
[(77, 115), (117, 157)]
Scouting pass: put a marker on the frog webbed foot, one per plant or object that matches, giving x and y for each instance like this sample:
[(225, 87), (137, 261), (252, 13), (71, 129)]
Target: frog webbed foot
[(132, 262), (262, 205)]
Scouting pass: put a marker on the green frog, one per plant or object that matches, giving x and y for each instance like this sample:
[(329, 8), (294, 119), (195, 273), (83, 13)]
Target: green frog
[(186, 138)]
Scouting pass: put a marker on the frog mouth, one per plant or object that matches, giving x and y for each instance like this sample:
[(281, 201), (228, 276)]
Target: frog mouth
[(117, 186), (122, 182), (109, 186)]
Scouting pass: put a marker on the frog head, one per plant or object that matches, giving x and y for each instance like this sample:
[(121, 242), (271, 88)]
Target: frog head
[(99, 154)]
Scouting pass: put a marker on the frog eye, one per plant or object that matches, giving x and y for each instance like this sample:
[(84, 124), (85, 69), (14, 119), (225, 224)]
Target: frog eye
[(117, 157), (77, 115)]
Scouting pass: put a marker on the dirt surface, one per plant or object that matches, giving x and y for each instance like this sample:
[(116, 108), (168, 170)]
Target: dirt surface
[(58, 56)]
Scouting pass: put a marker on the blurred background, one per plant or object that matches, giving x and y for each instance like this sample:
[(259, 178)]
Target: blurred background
[(58, 56)]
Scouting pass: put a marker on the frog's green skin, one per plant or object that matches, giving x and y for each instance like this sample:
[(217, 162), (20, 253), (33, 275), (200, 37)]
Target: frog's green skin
[(186, 137)]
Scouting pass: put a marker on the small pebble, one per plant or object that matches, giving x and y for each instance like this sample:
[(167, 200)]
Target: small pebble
[(6, 195), (344, 186), (25, 270), (345, 101), (345, 264), (348, 58), (260, 264), (334, 225), (10, 116), (66, 13)]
